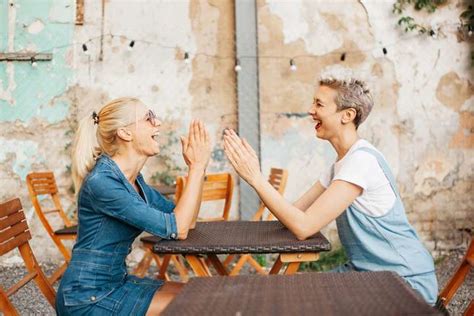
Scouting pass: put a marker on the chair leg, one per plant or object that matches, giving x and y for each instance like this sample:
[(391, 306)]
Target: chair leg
[(228, 260), (240, 263), (6, 307), (470, 309), (183, 272), (40, 279), (256, 266), (57, 274), (454, 283), (144, 264)]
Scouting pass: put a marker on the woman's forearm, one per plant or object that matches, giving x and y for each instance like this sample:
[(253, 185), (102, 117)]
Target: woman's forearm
[(292, 217), (188, 205)]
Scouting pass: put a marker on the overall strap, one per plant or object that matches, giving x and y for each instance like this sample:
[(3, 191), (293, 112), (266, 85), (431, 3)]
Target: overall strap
[(385, 168)]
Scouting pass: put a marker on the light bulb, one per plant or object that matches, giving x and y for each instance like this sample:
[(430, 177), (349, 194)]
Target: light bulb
[(293, 65)]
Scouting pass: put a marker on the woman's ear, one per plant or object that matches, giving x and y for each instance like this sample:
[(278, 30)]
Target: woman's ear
[(348, 115), (124, 134)]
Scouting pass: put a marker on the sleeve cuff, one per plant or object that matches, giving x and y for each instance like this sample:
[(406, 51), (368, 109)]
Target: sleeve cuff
[(171, 227)]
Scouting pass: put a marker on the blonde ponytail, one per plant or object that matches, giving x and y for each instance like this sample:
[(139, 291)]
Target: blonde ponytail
[(97, 134), (85, 150)]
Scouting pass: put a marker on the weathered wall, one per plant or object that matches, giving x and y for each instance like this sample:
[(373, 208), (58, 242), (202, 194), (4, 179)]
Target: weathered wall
[(423, 90), (39, 107), (424, 102)]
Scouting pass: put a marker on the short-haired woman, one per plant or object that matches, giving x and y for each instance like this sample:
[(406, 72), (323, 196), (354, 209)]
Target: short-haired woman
[(358, 191)]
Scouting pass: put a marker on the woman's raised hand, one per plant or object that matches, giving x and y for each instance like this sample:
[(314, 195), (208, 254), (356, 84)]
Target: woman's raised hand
[(242, 156), (196, 147)]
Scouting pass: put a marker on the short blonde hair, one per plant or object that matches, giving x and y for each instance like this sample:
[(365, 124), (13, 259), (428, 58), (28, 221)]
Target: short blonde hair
[(353, 94), (97, 134)]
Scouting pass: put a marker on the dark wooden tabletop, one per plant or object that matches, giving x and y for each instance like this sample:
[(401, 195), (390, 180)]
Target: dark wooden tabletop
[(352, 293), (239, 237)]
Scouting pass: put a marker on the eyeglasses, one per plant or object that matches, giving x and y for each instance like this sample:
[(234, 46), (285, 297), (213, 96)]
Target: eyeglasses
[(151, 117)]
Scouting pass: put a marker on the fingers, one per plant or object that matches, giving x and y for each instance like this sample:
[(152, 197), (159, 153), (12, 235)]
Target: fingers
[(184, 143), (236, 143), (249, 148), (231, 154)]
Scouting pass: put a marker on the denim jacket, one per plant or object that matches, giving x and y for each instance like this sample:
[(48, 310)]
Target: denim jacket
[(111, 215)]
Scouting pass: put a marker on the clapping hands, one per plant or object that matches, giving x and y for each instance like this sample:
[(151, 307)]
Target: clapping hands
[(196, 146), (242, 156)]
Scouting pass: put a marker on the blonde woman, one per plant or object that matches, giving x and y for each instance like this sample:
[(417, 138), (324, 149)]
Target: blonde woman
[(115, 205), (358, 191)]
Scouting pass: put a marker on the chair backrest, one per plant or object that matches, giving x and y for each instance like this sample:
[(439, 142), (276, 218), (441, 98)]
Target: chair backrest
[(14, 233), (458, 278), (278, 179), (217, 186), (44, 183)]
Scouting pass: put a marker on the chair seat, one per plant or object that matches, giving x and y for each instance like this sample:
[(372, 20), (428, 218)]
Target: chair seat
[(67, 230)]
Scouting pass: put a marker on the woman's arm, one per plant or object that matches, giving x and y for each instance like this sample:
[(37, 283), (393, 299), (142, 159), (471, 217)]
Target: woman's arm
[(309, 197), (196, 154), (328, 206)]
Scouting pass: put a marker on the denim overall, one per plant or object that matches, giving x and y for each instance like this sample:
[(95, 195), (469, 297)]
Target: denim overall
[(111, 215), (387, 242)]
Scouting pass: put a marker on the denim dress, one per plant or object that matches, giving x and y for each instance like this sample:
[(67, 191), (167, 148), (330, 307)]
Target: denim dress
[(111, 215), (387, 242)]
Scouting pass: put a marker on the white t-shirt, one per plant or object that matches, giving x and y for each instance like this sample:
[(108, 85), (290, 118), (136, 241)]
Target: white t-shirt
[(362, 169)]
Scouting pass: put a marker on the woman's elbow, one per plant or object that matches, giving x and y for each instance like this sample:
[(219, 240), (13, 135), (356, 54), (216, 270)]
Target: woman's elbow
[(182, 235), (303, 233)]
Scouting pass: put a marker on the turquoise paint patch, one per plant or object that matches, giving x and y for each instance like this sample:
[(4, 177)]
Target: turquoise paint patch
[(56, 112), (25, 153), (36, 87)]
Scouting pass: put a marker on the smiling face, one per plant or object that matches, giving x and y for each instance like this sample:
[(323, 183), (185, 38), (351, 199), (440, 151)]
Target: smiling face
[(142, 136), (324, 113)]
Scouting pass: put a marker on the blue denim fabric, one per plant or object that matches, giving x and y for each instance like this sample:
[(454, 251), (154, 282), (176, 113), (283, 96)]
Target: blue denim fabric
[(387, 242), (111, 215)]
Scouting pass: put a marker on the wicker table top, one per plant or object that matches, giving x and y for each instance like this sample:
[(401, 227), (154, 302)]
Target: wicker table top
[(239, 237), (353, 293)]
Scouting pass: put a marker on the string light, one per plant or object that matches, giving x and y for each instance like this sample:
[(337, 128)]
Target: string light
[(293, 65), (34, 64), (237, 67), (84, 49), (186, 58), (130, 46), (469, 33)]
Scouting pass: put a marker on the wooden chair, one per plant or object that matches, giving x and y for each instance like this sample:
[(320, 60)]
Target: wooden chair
[(278, 179), (44, 184), (14, 233), (218, 186), (457, 279)]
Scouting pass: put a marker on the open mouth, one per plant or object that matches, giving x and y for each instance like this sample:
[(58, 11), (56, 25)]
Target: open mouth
[(155, 137), (318, 124)]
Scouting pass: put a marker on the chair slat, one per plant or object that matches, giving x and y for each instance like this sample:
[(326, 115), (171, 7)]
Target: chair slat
[(16, 242), (27, 278), (214, 195), (10, 207), (11, 220), (13, 231)]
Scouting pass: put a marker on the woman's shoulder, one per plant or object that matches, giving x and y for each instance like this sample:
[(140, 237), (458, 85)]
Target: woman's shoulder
[(101, 175)]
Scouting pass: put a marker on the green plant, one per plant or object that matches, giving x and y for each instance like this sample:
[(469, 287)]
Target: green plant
[(327, 261), (409, 23)]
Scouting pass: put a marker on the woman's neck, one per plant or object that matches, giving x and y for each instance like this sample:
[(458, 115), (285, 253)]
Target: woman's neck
[(130, 164), (343, 142)]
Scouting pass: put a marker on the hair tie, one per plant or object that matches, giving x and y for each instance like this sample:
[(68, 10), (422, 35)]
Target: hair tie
[(95, 117)]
